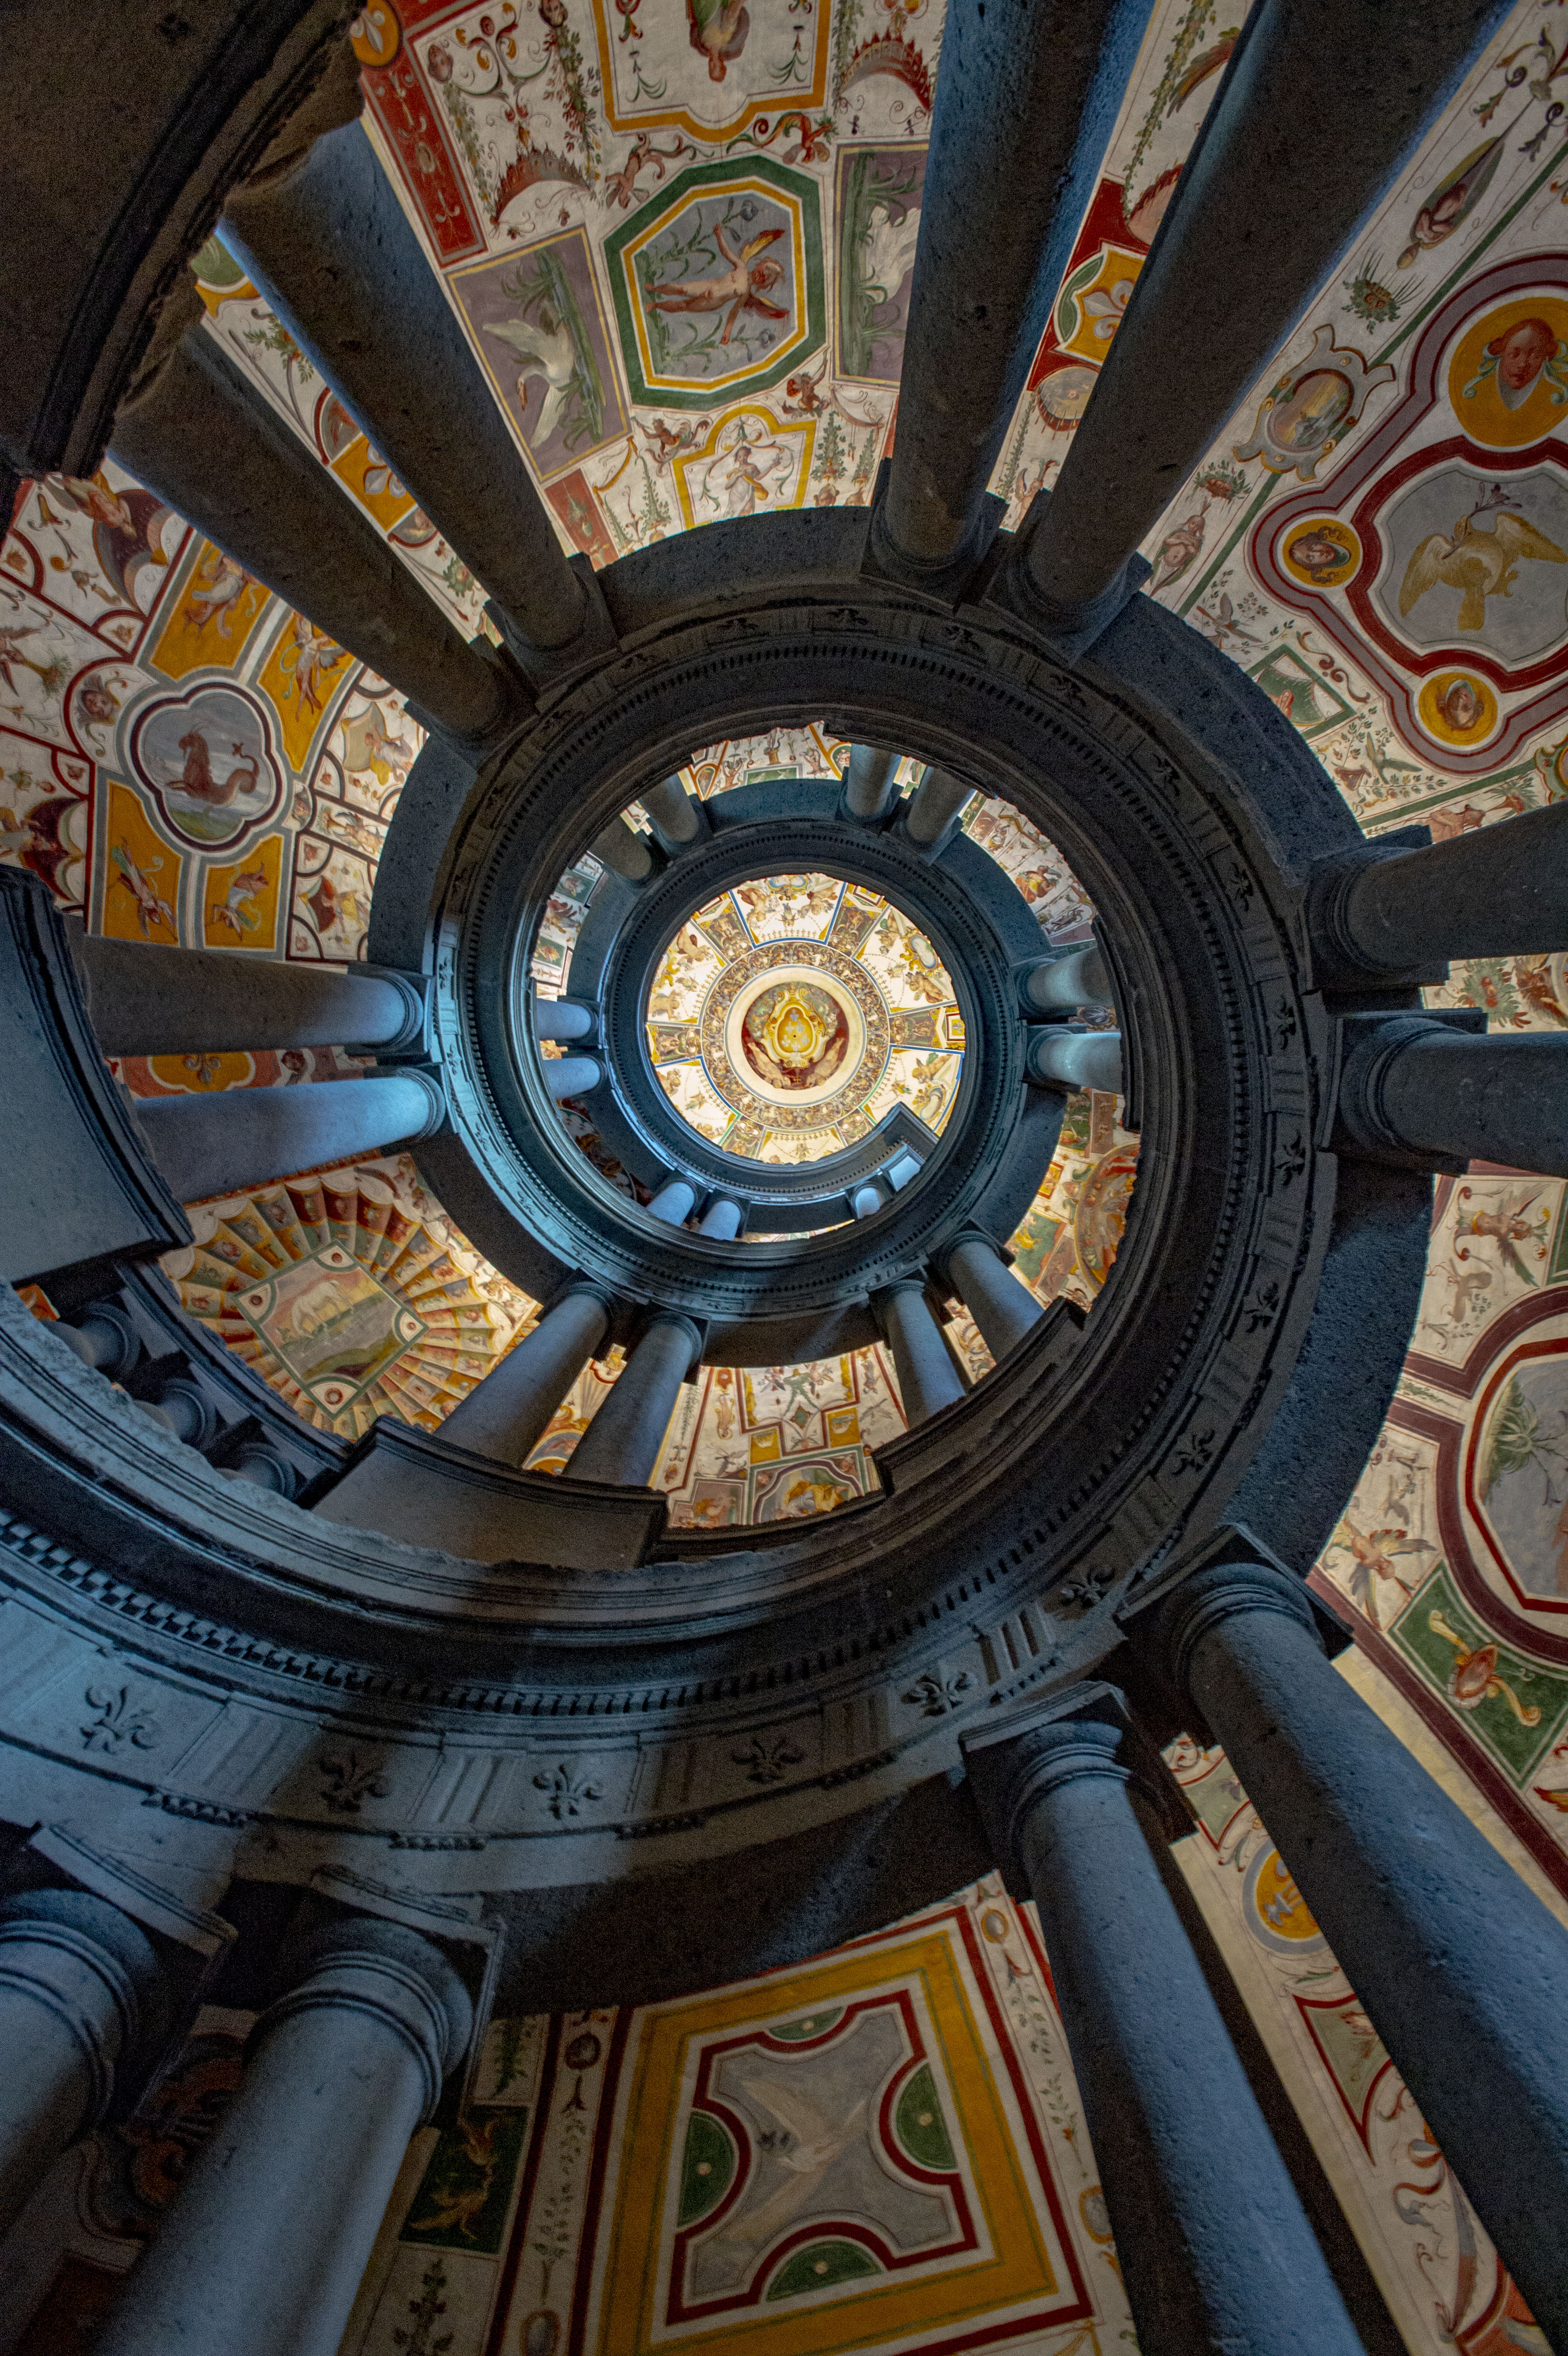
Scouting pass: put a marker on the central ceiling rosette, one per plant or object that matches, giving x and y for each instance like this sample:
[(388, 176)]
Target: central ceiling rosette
[(791, 1013)]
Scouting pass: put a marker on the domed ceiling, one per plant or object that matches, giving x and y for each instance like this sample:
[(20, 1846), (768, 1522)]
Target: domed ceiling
[(791, 1013), (680, 233)]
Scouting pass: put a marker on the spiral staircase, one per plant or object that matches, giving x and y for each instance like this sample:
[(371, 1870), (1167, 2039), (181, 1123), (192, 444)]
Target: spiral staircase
[(582, 1718)]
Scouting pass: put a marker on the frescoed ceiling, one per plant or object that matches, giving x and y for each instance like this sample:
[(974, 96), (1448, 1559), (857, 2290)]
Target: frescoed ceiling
[(883, 2147), (789, 1015), (680, 234)]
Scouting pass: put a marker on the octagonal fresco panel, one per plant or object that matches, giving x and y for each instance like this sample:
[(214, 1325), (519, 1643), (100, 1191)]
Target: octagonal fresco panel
[(718, 282)]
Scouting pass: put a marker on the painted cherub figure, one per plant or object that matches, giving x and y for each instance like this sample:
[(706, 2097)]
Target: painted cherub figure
[(741, 287)]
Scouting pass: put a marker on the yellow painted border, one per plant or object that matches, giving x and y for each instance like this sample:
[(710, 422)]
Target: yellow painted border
[(805, 433), (953, 2293), (718, 386), (656, 118)]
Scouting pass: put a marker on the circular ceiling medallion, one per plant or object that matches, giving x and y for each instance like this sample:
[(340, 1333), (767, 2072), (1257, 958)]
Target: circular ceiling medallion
[(793, 1013)]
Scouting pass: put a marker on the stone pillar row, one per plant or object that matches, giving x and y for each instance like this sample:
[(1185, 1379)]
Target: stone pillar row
[(243, 1137), (1461, 1970), (1213, 2245), (1024, 109), (264, 2247)]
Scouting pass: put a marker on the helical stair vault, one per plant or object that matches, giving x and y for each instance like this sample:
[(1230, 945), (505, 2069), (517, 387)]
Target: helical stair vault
[(586, 1724)]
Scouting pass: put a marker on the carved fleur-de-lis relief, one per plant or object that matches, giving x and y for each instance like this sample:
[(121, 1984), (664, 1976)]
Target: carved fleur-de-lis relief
[(118, 1720), (568, 1788), (1290, 1161), (1089, 1589), (935, 1696), (768, 1760), (347, 1782), (1260, 1312)]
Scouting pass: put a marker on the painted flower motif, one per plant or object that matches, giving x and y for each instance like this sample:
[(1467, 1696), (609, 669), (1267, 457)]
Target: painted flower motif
[(1105, 306)]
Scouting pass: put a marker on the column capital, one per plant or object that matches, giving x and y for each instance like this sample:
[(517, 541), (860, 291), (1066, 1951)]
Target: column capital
[(1082, 1731), (1182, 1619), (89, 1965), (395, 1974)]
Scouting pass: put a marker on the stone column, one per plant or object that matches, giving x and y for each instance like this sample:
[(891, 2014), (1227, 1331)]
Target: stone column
[(195, 429), (938, 798), (1074, 1059), (262, 2248), (870, 783), (673, 811), (1062, 985), (1459, 1967), (928, 1379), (1190, 349), (623, 849), (506, 1414), (1499, 891), (571, 1075), (79, 1989), (322, 234), (243, 1137), (721, 1218), (673, 1201), (622, 1442), (1026, 102), (1214, 2248), (146, 1001), (1002, 1306), (562, 1019), (1412, 1086)]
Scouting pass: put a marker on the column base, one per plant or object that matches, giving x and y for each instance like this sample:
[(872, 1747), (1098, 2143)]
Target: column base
[(1069, 626), (547, 668), (948, 578)]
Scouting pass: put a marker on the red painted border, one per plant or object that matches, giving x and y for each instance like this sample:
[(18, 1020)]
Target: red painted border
[(1488, 1779)]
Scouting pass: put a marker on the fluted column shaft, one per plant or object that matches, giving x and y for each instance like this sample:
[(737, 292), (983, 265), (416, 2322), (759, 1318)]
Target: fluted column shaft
[(506, 1414), (262, 2248), (243, 1137), (1026, 102), (1459, 1967), (1074, 1059), (1412, 1086), (937, 800), (1002, 1306), (928, 1379), (871, 783), (1499, 891), (1060, 985), (622, 1442), (145, 1000), (1252, 229), (328, 244), (195, 431), (79, 1989), (1214, 2248)]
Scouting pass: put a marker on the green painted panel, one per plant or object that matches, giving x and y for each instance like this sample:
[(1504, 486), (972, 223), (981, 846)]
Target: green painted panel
[(919, 2123), (466, 2192), (707, 2167), (1514, 1705), (818, 2266)]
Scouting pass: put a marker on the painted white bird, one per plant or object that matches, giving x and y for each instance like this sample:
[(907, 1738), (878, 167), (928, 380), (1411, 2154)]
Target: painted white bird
[(889, 250), (545, 347)]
